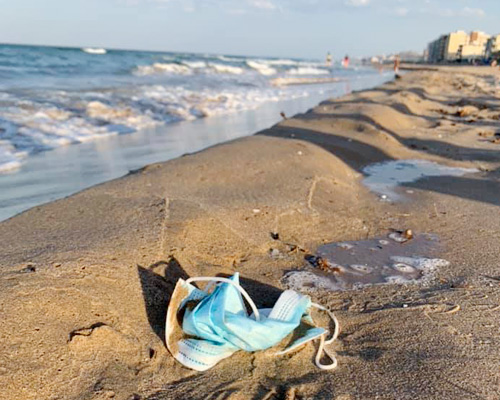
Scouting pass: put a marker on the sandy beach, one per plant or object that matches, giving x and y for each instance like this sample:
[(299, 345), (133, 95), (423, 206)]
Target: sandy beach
[(85, 281)]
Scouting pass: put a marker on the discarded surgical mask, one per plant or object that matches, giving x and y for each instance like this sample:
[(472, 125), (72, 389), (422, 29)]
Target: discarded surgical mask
[(215, 323)]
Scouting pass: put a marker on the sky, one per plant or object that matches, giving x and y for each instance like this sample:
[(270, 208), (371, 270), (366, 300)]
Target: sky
[(280, 28)]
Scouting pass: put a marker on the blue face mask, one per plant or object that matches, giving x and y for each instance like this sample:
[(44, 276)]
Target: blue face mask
[(216, 324)]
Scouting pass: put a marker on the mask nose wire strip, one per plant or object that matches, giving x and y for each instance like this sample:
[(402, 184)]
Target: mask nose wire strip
[(323, 341), (238, 287)]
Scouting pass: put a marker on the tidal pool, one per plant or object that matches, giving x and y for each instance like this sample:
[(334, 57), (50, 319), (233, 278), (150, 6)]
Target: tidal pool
[(356, 264), (384, 177)]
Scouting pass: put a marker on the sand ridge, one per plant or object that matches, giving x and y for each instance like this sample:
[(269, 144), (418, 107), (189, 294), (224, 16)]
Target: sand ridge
[(85, 281)]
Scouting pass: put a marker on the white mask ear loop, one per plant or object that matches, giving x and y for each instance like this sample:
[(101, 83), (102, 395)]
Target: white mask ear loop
[(237, 286), (321, 347)]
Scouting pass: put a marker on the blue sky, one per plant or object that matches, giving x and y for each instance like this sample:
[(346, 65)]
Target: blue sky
[(282, 28)]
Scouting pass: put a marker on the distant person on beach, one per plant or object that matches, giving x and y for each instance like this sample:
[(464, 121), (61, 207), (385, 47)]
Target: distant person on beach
[(397, 63), (345, 62), (328, 59)]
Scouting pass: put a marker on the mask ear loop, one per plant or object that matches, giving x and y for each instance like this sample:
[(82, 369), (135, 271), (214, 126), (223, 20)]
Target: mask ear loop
[(323, 341), (237, 286)]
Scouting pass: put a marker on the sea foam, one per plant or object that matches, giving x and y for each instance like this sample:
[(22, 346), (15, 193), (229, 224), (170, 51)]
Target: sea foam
[(402, 271), (226, 69), (261, 68), (163, 68), (308, 71), (52, 97)]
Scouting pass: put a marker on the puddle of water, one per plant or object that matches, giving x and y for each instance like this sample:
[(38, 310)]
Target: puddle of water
[(382, 178), (357, 264)]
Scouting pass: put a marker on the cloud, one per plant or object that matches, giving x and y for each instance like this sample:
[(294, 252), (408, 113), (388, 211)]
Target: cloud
[(401, 11), (472, 12), (228, 6), (357, 3), (236, 11), (262, 4), (453, 13)]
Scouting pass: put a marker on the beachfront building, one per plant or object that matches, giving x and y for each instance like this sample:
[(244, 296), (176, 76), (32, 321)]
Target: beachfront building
[(436, 50), (446, 47), (493, 47), (475, 49), (457, 47), (454, 45)]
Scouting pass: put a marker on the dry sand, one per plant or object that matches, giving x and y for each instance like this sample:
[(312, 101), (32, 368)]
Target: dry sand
[(85, 281)]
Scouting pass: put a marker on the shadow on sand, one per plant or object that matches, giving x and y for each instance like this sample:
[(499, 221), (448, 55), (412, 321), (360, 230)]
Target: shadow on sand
[(484, 187), (158, 283)]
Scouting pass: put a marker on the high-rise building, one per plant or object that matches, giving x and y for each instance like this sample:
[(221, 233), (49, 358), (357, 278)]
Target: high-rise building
[(493, 47), (436, 49), (458, 46), (456, 40)]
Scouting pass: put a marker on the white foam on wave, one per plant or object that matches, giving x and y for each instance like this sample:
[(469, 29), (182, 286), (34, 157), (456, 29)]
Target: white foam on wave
[(308, 71), (226, 69), (33, 127), (230, 59), (263, 69), (32, 123), (195, 64), (311, 64), (188, 104), (163, 68), (10, 159), (94, 50), (278, 62), (119, 115)]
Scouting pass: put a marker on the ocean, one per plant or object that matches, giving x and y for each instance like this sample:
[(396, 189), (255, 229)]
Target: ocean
[(139, 106)]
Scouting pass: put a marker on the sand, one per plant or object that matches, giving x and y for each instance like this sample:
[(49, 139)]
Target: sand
[(85, 281)]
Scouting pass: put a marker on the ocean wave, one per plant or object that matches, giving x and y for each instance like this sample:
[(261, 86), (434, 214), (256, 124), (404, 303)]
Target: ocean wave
[(189, 104), (187, 68), (163, 68), (94, 50), (28, 126), (263, 69), (53, 97), (308, 71), (311, 64), (226, 69), (278, 62), (195, 64), (126, 116), (10, 159), (231, 59), (301, 80)]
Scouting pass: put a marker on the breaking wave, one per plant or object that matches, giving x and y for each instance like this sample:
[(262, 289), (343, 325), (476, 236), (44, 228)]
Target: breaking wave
[(51, 97), (262, 68), (163, 68), (227, 69), (30, 126), (308, 71)]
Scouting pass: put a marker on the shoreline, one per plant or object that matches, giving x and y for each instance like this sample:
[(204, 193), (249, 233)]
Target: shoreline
[(91, 274), (63, 171)]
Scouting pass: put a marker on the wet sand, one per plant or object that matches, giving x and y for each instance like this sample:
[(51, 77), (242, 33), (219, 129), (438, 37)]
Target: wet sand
[(85, 281)]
